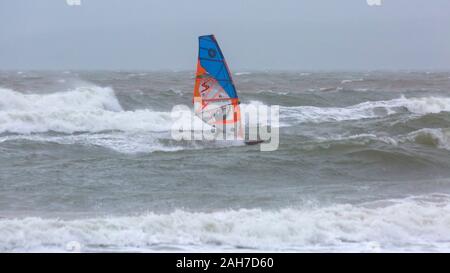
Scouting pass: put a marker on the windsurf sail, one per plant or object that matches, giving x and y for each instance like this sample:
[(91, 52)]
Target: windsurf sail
[(215, 98)]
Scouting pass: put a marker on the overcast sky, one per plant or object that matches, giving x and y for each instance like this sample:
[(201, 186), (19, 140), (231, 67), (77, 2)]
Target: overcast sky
[(253, 34)]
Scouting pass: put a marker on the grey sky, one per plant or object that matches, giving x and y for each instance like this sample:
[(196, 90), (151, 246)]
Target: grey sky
[(254, 34)]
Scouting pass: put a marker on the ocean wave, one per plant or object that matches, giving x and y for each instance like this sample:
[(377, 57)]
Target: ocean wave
[(96, 109), (90, 109), (82, 98), (362, 139), (434, 137), (273, 92), (127, 143), (419, 223), (242, 73), (92, 115), (366, 110), (352, 80), (84, 109)]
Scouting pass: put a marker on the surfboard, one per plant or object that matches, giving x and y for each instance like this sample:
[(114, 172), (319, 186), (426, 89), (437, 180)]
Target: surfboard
[(215, 97)]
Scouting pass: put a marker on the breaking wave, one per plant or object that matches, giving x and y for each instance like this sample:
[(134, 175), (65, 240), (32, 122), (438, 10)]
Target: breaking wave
[(97, 109), (419, 223), (350, 81), (434, 137), (365, 110), (242, 73), (84, 109), (91, 116), (128, 143)]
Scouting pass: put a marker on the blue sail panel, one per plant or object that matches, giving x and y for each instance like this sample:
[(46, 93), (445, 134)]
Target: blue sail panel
[(213, 61)]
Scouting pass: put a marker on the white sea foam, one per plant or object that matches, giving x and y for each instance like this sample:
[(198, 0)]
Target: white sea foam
[(95, 115), (93, 111), (350, 81), (369, 109), (412, 224), (363, 139), (242, 73), (96, 109), (129, 143), (84, 109), (278, 92), (437, 137)]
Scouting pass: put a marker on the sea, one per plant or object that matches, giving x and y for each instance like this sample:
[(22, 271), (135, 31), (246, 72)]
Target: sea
[(88, 164)]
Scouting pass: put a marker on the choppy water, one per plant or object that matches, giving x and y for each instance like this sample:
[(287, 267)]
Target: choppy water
[(86, 158)]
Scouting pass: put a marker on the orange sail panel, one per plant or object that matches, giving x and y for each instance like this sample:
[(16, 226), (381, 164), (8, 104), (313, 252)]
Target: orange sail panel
[(215, 97)]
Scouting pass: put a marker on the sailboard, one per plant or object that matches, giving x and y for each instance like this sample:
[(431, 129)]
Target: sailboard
[(215, 97)]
